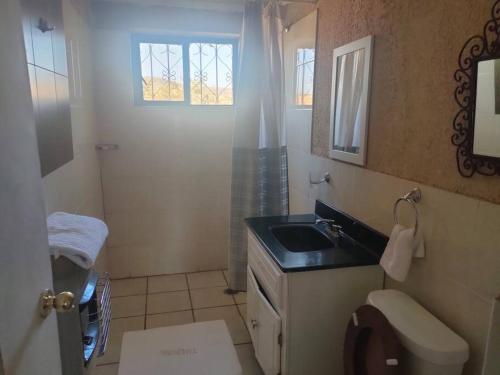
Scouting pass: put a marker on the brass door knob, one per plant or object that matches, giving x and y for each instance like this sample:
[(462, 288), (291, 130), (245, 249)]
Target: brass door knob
[(62, 302)]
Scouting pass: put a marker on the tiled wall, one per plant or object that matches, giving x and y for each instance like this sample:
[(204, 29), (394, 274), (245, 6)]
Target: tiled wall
[(459, 277), (76, 187), (167, 189)]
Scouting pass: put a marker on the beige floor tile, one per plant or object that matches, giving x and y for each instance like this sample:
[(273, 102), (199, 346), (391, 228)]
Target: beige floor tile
[(247, 360), (230, 314), (106, 370), (169, 319), (210, 297), (128, 287), (117, 329), (226, 276), (167, 283), (122, 307), (240, 298), (243, 311), (168, 302), (206, 279)]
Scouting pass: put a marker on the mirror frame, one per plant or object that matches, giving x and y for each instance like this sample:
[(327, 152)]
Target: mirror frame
[(476, 49), (365, 43)]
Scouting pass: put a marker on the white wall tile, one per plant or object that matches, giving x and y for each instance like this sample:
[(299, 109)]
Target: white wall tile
[(170, 178), (75, 187)]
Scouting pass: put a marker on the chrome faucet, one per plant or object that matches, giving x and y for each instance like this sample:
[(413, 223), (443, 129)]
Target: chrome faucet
[(333, 229)]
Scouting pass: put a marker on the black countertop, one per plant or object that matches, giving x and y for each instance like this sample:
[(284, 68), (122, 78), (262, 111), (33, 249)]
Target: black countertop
[(358, 245)]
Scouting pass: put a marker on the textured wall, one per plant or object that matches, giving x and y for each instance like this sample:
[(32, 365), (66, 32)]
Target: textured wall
[(412, 107)]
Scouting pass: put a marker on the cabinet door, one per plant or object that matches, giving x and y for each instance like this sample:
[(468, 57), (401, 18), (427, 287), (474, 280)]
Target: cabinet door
[(265, 327), (252, 306)]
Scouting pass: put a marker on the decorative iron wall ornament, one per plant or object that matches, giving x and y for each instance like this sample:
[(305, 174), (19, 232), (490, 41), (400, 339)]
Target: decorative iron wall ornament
[(477, 48)]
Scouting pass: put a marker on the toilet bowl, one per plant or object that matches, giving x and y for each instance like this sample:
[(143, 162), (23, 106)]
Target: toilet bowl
[(394, 335)]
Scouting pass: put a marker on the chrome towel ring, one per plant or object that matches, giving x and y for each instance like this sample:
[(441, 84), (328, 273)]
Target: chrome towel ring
[(413, 197)]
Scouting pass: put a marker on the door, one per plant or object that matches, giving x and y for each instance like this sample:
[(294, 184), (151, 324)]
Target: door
[(29, 343), (264, 325)]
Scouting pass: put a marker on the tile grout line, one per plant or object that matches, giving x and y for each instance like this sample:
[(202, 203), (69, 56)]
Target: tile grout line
[(210, 287), (174, 311), (169, 312), (190, 299), (146, 303), (128, 317), (241, 315), (167, 291), (225, 278), (227, 287), (142, 294), (163, 274)]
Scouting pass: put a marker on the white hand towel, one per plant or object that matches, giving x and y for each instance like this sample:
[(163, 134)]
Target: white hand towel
[(79, 238), (401, 248), (419, 251)]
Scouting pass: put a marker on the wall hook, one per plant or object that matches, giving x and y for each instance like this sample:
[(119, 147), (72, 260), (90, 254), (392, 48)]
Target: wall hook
[(44, 26), (326, 178)]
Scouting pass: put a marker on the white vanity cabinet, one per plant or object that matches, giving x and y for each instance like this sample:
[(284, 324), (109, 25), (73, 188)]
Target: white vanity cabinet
[(297, 320)]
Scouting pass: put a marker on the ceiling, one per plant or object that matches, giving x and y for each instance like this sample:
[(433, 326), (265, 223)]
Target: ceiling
[(220, 5)]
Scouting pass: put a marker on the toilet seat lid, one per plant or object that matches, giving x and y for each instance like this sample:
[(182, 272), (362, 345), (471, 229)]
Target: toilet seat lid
[(371, 346), (420, 332)]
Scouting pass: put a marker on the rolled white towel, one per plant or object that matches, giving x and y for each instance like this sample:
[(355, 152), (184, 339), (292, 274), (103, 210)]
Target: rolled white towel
[(400, 250), (79, 238)]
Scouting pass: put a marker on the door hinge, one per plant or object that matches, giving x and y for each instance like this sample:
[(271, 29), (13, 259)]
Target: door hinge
[(280, 339)]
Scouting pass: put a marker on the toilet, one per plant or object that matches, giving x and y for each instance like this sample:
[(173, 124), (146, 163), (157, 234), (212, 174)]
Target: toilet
[(394, 335)]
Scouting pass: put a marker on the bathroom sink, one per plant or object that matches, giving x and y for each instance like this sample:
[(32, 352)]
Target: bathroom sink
[(301, 237)]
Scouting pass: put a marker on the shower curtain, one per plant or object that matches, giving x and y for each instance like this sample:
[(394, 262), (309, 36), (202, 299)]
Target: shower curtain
[(349, 96), (260, 171)]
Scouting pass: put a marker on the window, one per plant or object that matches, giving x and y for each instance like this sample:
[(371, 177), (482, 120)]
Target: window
[(162, 72), (304, 77), (183, 70), (211, 73)]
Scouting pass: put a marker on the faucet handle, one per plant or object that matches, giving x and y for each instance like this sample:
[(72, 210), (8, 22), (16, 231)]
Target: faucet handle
[(325, 221), (330, 223)]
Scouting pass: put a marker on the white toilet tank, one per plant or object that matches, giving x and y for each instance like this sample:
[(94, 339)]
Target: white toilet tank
[(430, 347)]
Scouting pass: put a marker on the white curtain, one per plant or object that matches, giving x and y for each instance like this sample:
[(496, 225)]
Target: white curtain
[(260, 174), (348, 102)]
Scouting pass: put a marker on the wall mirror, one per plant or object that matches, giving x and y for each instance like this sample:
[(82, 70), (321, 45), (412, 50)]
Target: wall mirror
[(477, 123), (351, 76), (487, 112)]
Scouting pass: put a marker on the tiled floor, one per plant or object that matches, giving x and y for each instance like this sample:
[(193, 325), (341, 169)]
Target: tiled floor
[(159, 301)]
